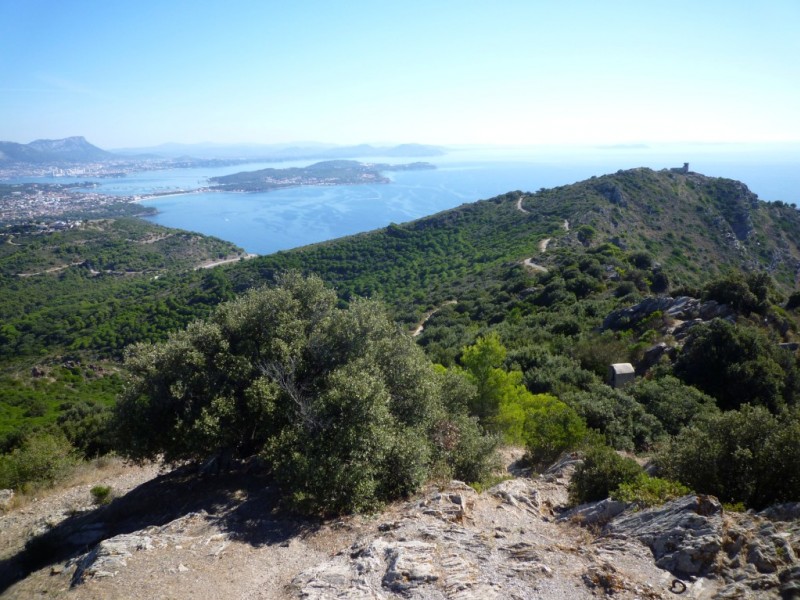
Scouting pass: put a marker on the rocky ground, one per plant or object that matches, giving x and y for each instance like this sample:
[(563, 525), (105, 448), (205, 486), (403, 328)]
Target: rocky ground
[(176, 535)]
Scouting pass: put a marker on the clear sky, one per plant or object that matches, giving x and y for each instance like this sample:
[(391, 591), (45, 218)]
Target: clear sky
[(143, 72)]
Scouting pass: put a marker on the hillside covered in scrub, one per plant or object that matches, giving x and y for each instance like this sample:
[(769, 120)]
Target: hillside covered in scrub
[(300, 367)]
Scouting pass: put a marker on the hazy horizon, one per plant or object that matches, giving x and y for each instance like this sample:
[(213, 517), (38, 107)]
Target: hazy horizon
[(446, 73)]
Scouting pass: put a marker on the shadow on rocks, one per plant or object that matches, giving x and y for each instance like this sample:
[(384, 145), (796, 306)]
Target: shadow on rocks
[(244, 505)]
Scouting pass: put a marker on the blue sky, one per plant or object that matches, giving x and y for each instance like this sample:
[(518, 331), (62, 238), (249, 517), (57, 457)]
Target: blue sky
[(138, 73)]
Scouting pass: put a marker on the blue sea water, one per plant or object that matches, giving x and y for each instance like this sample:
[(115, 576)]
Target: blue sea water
[(263, 223)]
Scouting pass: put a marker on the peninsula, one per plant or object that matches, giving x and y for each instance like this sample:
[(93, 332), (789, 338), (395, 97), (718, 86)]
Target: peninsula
[(329, 172)]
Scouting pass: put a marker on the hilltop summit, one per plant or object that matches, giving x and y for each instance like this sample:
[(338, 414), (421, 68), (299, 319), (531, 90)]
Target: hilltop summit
[(70, 149)]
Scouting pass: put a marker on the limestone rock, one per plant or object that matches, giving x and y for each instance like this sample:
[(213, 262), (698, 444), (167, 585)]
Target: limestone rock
[(106, 559), (594, 513), (682, 309), (685, 535), (517, 492), (6, 497)]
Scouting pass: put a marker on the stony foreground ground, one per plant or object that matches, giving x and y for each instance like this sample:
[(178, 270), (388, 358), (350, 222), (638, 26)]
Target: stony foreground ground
[(177, 536)]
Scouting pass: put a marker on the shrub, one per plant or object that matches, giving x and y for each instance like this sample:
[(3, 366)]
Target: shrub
[(602, 471), (746, 455), (645, 491), (623, 421), (550, 428), (671, 401), (101, 494), (42, 459), (736, 365), (342, 404)]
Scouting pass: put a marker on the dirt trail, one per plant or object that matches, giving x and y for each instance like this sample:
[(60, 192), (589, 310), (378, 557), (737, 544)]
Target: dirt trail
[(224, 261), (528, 262), (421, 325), (51, 270)]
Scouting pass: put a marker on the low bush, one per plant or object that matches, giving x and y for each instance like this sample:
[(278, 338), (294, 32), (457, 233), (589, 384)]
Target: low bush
[(645, 491), (42, 459), (746, 455), (602, 471), (101, 494)]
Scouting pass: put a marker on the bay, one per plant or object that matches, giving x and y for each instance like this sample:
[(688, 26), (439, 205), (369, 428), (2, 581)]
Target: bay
[(263, 223)]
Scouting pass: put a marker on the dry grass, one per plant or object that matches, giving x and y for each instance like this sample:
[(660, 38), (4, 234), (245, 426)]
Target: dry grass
[(84, 473)]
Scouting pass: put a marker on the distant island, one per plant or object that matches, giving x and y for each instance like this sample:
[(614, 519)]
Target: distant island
[(330, 172)]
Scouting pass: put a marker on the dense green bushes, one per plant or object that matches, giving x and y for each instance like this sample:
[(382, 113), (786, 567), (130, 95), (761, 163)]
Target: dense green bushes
[(42, 459), (541, 422), (602, 471), (344, 407), (747, 455), (737, 364)]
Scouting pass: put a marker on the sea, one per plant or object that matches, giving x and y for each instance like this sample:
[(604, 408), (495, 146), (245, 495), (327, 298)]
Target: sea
[(263, 223)]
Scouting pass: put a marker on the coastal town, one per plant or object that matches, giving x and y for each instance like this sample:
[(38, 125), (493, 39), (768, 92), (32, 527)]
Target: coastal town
[(32, 202)]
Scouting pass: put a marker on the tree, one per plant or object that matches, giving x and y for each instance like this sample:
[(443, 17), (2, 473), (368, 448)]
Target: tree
[(747, 455), (545, 425), (342, 404), (736, 365)]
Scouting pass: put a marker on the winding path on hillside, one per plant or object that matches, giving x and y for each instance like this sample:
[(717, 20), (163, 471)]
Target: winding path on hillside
[(528, 262), (51, 270), (421, 325), (224, 261)]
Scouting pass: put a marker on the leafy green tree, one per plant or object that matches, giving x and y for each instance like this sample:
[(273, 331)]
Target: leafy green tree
[(545, 425), (747, 455), (482, 362), (548, 427), (342, 404), (737, 365)]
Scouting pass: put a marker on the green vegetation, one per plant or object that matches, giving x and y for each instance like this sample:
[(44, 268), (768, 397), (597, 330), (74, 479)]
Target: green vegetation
[(646, 491), (522, 354), (101, 494), (345, 408), (601, 472), (737, 364), (748, 455), (41, 460)]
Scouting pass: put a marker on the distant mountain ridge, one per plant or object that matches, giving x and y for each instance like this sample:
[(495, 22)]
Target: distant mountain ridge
[(73, 149)]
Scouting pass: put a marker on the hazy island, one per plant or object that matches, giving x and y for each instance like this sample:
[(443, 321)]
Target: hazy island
[(330, 172)]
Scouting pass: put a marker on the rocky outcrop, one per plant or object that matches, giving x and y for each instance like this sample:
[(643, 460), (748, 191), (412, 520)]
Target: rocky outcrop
[(454, 543), (753, 556), (685, 535), (6, 498), (679, 310), (106, 559), (594, 513)]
